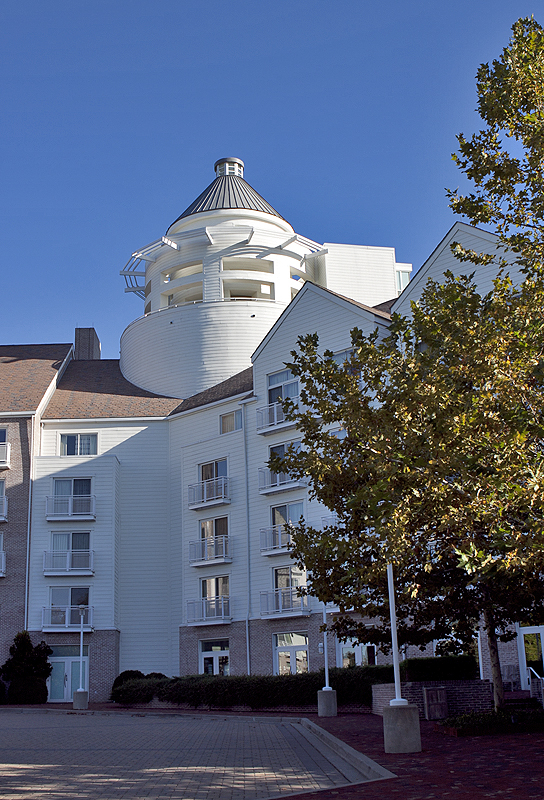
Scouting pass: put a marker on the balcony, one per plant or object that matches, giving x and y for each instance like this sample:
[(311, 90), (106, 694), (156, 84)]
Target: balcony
[(329, 522), (62, 618), (272, 482), (214, 492), (59, 562), (71, 506), (284, 603), (2, 563), (5, 453), (3, 509), (272, 418), (275, 540), (208, 611), (215, 549)]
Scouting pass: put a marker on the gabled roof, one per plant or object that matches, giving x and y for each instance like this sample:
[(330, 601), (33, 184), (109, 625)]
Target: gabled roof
[(97, 390), (26, 371), (228, 191), (380, 316), (240, 383)]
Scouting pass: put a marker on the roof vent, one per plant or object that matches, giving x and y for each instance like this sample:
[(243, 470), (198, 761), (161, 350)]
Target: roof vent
[(229, 166)]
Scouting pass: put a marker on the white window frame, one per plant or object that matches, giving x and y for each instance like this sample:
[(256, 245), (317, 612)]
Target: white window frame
[(237, 418), (272, 386), (213, 461), (215, 654), (78, 434), (292, 649)]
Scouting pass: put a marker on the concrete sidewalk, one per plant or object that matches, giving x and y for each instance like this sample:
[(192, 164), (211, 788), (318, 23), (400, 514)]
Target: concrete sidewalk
[(48, 753)]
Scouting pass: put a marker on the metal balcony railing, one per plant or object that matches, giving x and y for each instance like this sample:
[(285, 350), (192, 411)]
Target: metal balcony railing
[(208, 609), (277, 537), (211, 549), (214, 491), (66, 617), (272, 415), (68, 561), (5, 454), (276, 481), (3, 507), (71, 505), (283, 601)]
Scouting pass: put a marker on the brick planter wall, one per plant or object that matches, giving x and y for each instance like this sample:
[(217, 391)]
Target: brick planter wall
[(462, 696)]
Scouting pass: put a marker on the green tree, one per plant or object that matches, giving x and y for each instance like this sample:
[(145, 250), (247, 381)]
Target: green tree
[(440, 465), (27, 669)]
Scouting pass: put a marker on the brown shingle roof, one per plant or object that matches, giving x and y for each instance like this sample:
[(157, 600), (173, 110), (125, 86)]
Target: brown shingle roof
[(26, 370), (238, 384), (97, 389)]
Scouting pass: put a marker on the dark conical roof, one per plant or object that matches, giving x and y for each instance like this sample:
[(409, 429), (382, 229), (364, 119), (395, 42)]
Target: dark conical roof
[(228, 191)]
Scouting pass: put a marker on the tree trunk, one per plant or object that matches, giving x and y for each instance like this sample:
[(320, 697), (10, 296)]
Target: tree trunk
[(498, 689)]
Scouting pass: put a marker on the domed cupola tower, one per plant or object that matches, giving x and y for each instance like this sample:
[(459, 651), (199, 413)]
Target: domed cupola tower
[(214, 285)]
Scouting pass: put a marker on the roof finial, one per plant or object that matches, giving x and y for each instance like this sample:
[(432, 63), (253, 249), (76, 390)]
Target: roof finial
[(229, 166)]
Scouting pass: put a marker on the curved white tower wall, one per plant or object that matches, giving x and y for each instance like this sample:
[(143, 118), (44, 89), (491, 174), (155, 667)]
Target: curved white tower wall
[(214, 285)]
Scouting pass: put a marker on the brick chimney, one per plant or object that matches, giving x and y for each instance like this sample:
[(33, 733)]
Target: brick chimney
[(87, 345)]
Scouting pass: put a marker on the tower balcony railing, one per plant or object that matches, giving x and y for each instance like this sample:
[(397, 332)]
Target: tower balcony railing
[(272, 417), (215, 491), (287, 602), (270, 482), (66, 617), (217, 549), (58, 562), (5, 455), (2, 563), (208, 610), (275, 539), (3, 508), (70, 506)]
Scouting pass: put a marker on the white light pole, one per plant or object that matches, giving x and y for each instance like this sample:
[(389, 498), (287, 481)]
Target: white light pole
[(326, 697), (80, 696), (398, 701), (327, 687)]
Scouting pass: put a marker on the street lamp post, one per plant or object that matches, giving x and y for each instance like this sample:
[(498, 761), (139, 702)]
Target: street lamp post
[(326, 697), (81, 697)]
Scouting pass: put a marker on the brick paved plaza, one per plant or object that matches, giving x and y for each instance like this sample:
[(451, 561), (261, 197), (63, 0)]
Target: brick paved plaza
[(59, 755)]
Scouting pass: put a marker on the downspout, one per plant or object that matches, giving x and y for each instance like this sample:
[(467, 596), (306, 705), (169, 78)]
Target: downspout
[(248, 653), (30, 482)]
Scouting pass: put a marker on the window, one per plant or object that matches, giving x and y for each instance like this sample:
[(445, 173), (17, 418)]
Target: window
[(215, 597), (290, 653), (214, 657), (215, 587), (353, 654), (287, 514), (230, 422), (3, 435), (289, 578), (78, 444), (214, 538), (72, 496), (403, 279), (65, 602), (282, 385), (281, 449), (69, 551), (3, 501), (4, 447), (213, 469)]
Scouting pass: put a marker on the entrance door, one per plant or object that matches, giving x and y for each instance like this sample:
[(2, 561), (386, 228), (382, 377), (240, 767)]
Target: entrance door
[(64, 678), (530, 640), (291, 653), (214, 657)]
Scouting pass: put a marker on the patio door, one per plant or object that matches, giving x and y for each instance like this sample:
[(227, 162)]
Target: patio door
[(530, 641), (64, 678)]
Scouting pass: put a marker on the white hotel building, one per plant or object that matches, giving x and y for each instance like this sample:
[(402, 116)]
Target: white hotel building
[(151, 502)]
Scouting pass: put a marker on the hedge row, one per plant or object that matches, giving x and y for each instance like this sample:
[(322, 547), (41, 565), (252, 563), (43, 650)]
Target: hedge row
[(256, 691), (444, 668)]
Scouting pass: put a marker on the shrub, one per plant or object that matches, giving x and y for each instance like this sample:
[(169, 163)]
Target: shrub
[(2, 693), (442, 668), (127, 675), (137, 690), (502, 721), (23, 691), (26, 660), (155, 675)]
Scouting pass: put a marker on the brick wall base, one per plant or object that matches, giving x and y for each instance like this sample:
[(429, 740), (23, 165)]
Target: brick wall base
[(462, 696)]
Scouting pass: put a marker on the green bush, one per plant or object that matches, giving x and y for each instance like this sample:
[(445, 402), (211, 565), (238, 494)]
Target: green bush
[(127, 675), (502, 721), (353, 685), (27, 690), (442, 668), (2, 693)]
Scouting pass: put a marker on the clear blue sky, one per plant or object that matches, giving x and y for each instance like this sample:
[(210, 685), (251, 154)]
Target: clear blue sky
[(114, 111)]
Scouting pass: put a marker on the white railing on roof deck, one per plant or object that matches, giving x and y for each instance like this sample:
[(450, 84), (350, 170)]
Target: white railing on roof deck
[(208, 609), (277, 537), (66, 617), (215, 490), (71, 505), (68, 560)]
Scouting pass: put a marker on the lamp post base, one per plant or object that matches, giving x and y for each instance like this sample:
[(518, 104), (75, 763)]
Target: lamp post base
[(326, 703), (401, 732), (81, 700)]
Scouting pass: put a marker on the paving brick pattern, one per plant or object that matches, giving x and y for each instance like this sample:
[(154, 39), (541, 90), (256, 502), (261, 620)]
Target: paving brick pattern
[(131, 756)]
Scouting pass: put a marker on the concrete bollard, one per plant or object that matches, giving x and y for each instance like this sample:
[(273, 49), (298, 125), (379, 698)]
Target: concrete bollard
[(80, 700), (401, 731), (326, 703)]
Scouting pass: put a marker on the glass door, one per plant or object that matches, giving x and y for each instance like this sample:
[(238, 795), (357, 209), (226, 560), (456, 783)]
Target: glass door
[(531, 662)]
